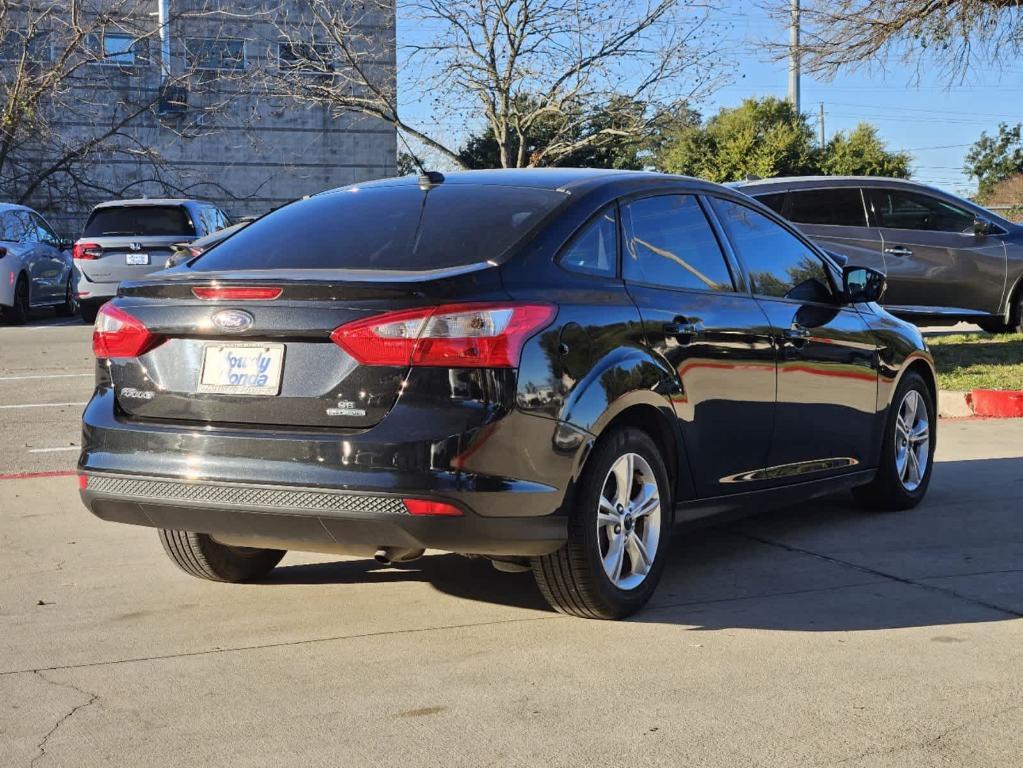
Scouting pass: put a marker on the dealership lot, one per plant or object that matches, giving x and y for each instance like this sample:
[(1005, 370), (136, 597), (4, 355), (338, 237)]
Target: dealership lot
[(812, 636)]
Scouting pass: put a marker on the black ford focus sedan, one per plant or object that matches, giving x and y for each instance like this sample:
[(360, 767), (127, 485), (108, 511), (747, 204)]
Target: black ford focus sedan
[(548, 368)]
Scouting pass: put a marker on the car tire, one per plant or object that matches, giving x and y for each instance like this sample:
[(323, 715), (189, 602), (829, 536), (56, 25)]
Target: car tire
[(202, 556), (575, 580), (88, 311), (17, 313), (897, 485), (70, 306)]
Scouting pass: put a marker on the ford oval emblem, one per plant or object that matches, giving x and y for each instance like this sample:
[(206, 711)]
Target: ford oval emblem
[(233, 320)]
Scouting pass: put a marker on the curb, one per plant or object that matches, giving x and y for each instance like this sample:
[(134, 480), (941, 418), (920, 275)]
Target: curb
[(989, 403)]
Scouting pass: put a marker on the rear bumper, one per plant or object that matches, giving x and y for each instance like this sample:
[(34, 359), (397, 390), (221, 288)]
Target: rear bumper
[(89, 291), (280, 517)]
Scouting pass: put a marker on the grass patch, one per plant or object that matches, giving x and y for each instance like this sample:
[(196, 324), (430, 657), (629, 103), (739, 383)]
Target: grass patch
[(968, 361)]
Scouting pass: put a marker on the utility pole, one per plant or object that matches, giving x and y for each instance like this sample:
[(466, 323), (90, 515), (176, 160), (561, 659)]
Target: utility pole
[(794, 56), (164, 17), (823, 140)]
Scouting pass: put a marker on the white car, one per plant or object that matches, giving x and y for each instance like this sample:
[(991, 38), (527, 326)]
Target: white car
[(36, 269)]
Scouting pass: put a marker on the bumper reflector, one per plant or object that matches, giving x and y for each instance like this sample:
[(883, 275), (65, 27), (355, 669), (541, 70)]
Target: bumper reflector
[(428, 507)]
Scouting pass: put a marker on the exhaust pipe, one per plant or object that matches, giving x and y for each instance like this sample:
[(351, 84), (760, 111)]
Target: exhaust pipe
[(392, 555)]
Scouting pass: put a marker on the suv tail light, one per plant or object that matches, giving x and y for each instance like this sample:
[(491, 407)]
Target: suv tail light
[(86, 251), (450, 336), (118, 334)]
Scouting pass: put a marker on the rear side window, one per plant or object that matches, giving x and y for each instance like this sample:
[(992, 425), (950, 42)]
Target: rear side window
[(670, 243), (595, 250), (12, 229), (775, 201), (393, 228), (842, 207), (155, 220), (779, 263)]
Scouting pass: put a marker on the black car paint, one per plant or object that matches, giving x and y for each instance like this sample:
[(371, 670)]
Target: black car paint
[(507, 446)]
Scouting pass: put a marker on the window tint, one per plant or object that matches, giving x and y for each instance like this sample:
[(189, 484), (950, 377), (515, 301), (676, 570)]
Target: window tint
[(388, 228), (156, 220), (775, 201), (595, 250), (896, 209), (841, 207), (778, 263), (669, 242)]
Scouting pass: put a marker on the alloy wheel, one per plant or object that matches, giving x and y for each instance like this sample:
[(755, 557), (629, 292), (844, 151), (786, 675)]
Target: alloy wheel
[(912, 441), (629, 521)]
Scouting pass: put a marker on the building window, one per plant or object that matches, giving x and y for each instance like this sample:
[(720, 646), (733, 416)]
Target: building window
[(215, 54), (115, 49), (312, 58), (13, 43)]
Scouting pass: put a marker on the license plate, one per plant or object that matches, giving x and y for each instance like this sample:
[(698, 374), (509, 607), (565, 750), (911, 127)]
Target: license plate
[(136, 259), (242, 369)]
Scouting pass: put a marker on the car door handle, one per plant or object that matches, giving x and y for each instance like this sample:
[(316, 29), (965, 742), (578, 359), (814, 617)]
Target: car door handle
[(682, 329), (899, 250)]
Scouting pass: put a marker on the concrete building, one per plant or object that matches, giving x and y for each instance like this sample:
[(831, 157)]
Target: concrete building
[(221, 124)]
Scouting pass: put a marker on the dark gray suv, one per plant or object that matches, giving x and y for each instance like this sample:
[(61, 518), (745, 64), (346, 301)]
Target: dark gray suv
[(946, 259)]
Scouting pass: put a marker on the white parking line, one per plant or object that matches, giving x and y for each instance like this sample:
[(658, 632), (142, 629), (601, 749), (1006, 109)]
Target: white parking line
[(54, 450), (45, 376), (40, 405)]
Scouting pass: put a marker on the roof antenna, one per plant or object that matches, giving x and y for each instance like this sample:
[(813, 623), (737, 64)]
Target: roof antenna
[(427, 179)]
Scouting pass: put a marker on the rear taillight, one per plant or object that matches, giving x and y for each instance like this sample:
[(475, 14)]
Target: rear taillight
[(238, 293), (118, 334), (449, 336), (86, 251)]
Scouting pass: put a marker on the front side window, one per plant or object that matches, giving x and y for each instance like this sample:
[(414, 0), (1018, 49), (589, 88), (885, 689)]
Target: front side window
[(44, 233), (670, 243), (595, 250), (114, 48), (29, 232), (840, 207), (779, 264), (774, 200), (215, 54), (898, 209)]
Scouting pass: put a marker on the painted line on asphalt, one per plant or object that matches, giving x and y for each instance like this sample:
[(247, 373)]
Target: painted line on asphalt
[(45, 376), (55, 450), (40, 405), (31, 475)]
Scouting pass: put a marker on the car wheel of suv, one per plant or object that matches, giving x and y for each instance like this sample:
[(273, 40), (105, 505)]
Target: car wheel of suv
[(202, 556), (907, 455), (17, 313), (89, 311), (618, 532), (70, 306)]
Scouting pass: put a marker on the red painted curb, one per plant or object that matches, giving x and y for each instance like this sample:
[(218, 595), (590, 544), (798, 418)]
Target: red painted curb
[(30, 475), (1003, 404)]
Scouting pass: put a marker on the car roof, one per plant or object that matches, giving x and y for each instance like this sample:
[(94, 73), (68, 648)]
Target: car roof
[(820, 182), (143, 201), (555, 179), (14, 207)]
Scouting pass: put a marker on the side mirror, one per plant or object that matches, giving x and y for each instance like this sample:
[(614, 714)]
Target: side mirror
[(863, 284), (981, 227)]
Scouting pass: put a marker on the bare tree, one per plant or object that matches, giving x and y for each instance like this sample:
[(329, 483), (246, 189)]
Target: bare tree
[(943, 35), (80, 103), (579, 66)]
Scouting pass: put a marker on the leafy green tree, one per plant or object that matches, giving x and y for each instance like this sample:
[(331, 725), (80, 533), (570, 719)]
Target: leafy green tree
[(760, 137), (995, 158), (862, 153)]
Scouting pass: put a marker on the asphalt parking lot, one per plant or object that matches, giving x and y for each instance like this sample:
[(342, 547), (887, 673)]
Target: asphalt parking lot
[(819, 635)]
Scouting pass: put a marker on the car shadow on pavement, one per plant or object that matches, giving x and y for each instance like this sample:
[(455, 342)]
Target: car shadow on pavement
[(825, 565)]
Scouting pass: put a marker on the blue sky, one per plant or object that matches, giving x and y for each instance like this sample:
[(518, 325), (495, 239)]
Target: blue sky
[(919, 112)]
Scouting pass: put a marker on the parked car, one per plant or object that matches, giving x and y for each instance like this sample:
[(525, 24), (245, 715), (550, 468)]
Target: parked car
[(128, 239), (184, 251), (548, 368), (946, 259), (35, 265)]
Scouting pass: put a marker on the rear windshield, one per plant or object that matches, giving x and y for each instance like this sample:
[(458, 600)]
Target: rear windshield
[(154, 220), (395, 228)]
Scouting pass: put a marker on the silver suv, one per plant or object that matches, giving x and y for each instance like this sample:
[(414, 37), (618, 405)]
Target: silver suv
[(946, 259), (128, 239)]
